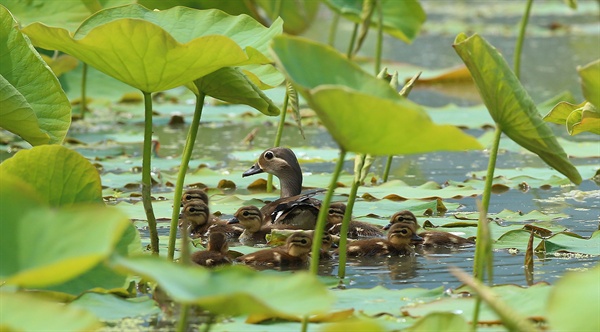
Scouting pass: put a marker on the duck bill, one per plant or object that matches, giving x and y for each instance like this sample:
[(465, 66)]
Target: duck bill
[(255, 169), (416, 239), (386, 227), (233, 220)]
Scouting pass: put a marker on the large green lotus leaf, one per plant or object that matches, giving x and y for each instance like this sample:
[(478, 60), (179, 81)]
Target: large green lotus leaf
[(263, 76), (380, 300), (36, 251), (16, 310), (401, 19), (233, 290), (574, 302), (590, 82), (530, 301), (561, 242), (59, 175), (101, 277), (231, 85), (157, 50), (367, 124), (297, 15), (323, 65), (109, 307), (440, 321), (32, 102), (510, 105)]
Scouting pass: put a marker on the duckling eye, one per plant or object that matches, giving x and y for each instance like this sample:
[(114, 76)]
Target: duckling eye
[(188, 197), (331, 211), (404, 231), (193, 210), (304, 241), (269, 155), (246, 213)]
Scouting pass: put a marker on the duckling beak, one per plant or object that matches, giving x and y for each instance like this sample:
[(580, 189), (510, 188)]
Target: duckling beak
[(255, 169), (386, 227), (233, 220), (416, 239)]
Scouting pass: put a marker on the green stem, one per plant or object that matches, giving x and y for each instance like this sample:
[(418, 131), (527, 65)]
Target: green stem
[(388, 165), (521, 38), (279, 134), (347, 217), (146, 169), (183, 318), (483, 252), (84, 71), (320, 227), (333, 29), (185, 159), (352, 41), (379, 46)]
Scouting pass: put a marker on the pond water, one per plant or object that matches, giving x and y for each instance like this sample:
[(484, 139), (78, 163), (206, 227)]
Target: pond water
[(548, 68)]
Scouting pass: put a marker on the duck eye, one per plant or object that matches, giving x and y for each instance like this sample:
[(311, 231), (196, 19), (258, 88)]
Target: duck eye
[(404, 231), (304, 241), (193, 210), (245, 213), (331, 211), (188, 197), (269, 155)]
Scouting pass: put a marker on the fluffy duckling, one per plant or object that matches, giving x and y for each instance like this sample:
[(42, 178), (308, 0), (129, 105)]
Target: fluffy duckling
[(326, 245), (291, 208), (194, 194), (356, 229), (430, 238), (196, 215), (294, 254), (215, 253), (250, 218), (398, 243)]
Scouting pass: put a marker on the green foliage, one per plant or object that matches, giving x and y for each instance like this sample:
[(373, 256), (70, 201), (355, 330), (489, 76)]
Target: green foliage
[(510, 105), (33, 104), (362, 113), (233, 290), (401, 19), (109, 307), (151, 51), (61, 176)]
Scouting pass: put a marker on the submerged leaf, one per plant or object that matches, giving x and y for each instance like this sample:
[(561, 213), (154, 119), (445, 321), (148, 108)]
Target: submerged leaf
[(33, 104), (509, 104)]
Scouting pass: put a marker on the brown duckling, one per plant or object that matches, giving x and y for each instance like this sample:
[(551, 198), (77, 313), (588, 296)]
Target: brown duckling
[(250, 218), (291, 208), (194, 194), (356, 229), (398, 243), (326, 245), (294, 254), (196, 214), (215, 253), (430, 238)]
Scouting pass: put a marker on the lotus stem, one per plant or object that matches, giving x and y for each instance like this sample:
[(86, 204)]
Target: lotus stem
[(352, 42), (388, 165), (185, 159), (83, 103), (521, 38), (183, 318), (279, 134), (347, 216), (333, 29), (146, 176), (320, 227), (379, 47)]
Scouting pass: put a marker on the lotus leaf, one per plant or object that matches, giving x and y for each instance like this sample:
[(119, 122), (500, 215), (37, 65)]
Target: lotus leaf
[(61, 176), (363, 113), (109, 307), (401, 19), (590, 82), (34, 106), (157, 50), (510, 105), (17, 309), (440, 321)]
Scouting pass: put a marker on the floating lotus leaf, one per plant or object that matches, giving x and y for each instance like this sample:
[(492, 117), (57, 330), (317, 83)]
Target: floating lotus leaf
[(574, 302), (33, 104), (510, 105), (362, 113), (590, 82), (233, 290), (61, 176), (17, 308), (160, 50), (110, 307), (401, 19), (440, 321)]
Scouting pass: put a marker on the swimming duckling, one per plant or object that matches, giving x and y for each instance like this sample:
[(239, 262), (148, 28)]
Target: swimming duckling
[(356, 229), (215, 253), (292, 208), (250, 218), (398, 243), (195, 214), (194, 194), (294, 254), (430, 238)]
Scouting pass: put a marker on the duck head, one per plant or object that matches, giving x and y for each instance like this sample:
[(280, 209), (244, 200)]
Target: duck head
[(299, 244), (282, 163), (405, 217), (217, 242), (403, 234), (248, 216)]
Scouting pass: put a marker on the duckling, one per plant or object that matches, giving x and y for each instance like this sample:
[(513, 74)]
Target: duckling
[(195, 214), (250, 218), (194, 194), (294, 254), (291, 208), (326, 245), (215, 253), (356, 229), (430, 238), (397, 244)]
